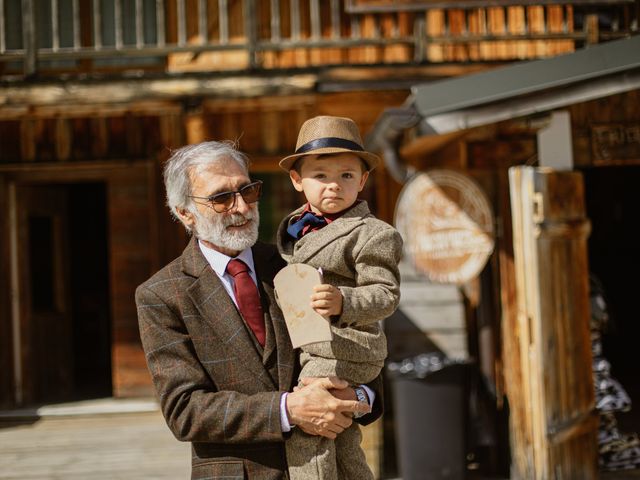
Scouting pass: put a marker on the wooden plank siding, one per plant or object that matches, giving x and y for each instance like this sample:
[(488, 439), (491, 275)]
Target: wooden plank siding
[(124, 146), (130, 245)]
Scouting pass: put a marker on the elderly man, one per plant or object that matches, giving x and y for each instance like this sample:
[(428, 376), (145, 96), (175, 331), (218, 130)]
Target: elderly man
[(215, 341)]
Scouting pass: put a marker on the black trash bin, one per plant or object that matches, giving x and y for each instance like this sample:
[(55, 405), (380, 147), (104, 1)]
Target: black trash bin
[(430, 409)]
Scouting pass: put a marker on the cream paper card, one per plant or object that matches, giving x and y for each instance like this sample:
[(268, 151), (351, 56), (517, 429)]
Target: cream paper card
[(294, 287)]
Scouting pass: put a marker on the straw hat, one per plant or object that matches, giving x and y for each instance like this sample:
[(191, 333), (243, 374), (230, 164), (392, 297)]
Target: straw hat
[(325, 134)]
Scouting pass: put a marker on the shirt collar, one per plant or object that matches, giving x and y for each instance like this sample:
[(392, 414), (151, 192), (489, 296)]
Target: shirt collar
[(329, 217), (219, 261)]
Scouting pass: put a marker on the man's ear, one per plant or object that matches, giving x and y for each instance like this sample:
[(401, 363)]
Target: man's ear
[(296, 180), (363, 180), (185, 216)]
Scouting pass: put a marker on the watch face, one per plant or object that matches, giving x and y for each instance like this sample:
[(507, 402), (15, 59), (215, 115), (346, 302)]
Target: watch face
[(362, 397)]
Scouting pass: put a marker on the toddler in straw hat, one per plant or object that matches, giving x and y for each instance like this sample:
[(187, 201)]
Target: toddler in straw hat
[(359, 256)]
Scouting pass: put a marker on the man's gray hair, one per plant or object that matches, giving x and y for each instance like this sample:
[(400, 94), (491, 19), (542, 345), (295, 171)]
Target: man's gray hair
[(177, 170)]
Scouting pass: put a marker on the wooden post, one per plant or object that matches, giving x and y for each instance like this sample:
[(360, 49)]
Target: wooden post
[(64, 135), (28, 139), (170, 131), (591, 28), (99, 137), (29, 38), (270, 131), (195, 127), (554, 349), (520, 427)]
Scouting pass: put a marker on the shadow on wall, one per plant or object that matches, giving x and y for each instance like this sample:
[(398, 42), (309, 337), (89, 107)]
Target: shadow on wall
[(405, 339)]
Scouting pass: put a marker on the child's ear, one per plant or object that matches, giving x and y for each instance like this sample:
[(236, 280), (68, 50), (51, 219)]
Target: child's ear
[(363, 180), (296, 180)]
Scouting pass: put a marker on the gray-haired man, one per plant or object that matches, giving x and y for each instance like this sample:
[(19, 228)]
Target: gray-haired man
[(224, 381)]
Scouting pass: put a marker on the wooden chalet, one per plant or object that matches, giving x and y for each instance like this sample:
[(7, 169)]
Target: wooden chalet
[(94, 95)]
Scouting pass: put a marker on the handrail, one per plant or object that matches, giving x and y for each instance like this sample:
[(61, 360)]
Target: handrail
[(125, 30)]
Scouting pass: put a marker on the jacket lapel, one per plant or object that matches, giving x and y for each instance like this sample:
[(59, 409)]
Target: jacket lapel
[(217, 308)]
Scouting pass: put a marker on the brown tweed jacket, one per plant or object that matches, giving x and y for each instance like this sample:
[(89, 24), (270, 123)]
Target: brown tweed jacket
[(216, 389)]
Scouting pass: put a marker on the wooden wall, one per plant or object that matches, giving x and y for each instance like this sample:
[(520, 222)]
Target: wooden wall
[(132, 246), (125, 145)]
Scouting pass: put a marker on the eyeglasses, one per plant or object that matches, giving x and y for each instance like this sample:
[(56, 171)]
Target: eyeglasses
[(225, 201)]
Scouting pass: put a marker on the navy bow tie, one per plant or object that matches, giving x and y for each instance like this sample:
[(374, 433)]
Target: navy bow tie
[(309, 218)]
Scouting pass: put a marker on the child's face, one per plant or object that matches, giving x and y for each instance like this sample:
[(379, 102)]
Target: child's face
[(330, 183)]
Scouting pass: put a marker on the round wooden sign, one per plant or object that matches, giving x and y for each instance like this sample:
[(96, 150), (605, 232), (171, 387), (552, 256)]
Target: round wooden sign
[(447, 224)]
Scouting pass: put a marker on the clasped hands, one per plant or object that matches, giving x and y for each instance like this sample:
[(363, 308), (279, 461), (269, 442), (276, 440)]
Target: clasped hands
[(323, 406)]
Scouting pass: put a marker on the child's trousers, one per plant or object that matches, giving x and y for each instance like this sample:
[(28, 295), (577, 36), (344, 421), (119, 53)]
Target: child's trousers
[(313, 457)]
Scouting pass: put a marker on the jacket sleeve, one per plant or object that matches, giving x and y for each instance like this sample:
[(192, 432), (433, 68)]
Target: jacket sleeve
[(377, 292), (193, 407), (378, 405)]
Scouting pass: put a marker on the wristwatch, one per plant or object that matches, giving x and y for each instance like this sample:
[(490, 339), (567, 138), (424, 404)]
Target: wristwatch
[(362, 398)]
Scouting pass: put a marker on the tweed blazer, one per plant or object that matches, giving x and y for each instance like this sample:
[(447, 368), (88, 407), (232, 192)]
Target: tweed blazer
[(359, 254), (216, 389)]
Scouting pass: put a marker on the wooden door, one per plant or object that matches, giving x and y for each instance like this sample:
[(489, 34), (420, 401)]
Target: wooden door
[(41, 284), (556, 435)]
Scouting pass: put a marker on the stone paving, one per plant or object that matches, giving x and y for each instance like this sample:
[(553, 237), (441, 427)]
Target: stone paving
[(104, 440), (102, 446)]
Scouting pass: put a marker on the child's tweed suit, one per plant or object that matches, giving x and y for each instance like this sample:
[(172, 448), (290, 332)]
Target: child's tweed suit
[(359, 254)]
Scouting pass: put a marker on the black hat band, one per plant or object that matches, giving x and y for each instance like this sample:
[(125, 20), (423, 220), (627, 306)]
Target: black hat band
[(329, 142)]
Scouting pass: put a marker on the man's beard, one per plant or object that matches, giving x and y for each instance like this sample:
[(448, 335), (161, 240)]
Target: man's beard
[(213, 229)]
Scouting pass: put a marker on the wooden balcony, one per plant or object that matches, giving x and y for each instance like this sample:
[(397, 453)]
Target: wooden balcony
[(80, 38)]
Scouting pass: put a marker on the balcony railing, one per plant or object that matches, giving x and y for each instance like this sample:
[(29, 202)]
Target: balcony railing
[(74, 36)]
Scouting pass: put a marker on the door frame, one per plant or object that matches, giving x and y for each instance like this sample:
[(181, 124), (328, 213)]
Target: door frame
[(12, 176)]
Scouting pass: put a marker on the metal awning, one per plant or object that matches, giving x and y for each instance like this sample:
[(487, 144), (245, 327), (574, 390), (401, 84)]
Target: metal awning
[(505, 93)]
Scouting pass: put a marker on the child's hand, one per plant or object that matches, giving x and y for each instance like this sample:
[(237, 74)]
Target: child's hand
[(327, 300)]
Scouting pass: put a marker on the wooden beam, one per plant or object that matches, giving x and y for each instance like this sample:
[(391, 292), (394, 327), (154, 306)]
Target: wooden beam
[(60, 172), (428, 144), (127, 91), (66, 109), (273, 102)]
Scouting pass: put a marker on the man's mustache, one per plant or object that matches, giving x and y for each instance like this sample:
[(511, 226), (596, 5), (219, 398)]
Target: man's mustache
[(236, 219)]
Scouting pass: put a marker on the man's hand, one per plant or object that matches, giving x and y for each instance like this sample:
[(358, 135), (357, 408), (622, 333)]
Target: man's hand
[(327, 300), (347, 393), (317, 412)]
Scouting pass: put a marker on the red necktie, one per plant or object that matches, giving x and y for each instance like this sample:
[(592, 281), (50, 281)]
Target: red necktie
[(247, 297)]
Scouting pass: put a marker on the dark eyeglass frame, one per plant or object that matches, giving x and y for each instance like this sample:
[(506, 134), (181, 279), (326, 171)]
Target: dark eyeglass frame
[(218, 201)]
